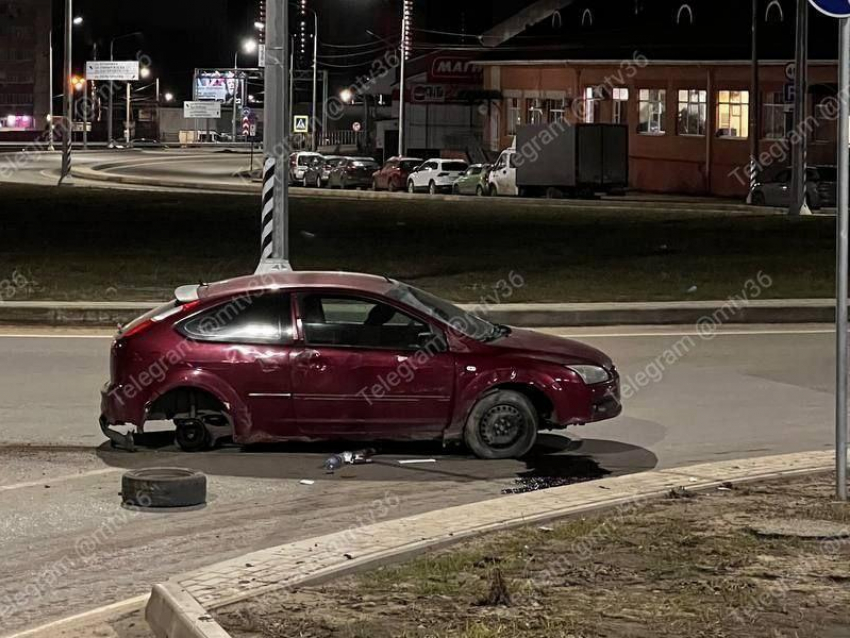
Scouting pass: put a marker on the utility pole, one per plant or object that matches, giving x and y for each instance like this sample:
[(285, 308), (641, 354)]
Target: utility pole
[(755, 105), (51, 128), (798, 152), (128, 112), (110, 139), (325, 103), (274, 255), (68, 93), (235, 93), (291, 108), (842, 266)]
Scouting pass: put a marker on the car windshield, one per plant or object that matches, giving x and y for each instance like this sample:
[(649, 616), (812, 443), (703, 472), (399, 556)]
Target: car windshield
[(454, 166), (445, 312)]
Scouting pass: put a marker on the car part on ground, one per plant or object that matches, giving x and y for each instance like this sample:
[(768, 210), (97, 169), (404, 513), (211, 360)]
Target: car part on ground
[(163, 488)]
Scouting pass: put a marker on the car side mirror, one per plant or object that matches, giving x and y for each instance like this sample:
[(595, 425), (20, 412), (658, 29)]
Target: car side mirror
[(433, 342)]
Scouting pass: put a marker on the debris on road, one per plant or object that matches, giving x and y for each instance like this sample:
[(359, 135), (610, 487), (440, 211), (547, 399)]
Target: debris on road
[(358, 457), (534, 483), (416, 461), (307, 482)]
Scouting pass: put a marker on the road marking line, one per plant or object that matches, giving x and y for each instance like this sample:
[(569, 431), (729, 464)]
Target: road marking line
[(720, 333), (57, 336), (48, 629), (59, 479)]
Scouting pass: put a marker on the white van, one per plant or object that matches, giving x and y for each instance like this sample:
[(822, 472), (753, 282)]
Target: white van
[(502, 178)]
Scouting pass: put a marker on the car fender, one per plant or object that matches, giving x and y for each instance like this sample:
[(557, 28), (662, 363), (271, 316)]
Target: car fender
[(211, 383), (472, 385)]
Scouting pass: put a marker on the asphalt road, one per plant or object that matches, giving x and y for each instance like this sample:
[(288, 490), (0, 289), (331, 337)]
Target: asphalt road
[(194, 165), (66, 545)]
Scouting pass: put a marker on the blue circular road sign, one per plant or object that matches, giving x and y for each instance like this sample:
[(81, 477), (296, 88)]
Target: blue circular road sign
[(834, 8)]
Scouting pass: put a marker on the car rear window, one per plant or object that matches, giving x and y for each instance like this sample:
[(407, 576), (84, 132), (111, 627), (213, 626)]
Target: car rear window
[(454, 166), (159, 310), (364, 164), (409, 166)]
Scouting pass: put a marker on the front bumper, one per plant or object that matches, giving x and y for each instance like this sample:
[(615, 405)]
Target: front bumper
[(605, 402)]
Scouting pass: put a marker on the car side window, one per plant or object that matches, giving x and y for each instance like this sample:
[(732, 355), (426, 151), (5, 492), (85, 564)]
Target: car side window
[(512, 160), (261, 319), (355, 322)]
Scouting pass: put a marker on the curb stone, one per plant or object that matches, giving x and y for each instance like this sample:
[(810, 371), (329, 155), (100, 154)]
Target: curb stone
[(179, 609), (98, 173), (531, 315)]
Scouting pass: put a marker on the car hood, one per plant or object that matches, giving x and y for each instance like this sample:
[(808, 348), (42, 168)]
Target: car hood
[(556, 349)]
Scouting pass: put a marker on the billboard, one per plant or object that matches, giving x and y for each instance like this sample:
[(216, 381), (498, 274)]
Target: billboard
[(112, 70), (215, 86)]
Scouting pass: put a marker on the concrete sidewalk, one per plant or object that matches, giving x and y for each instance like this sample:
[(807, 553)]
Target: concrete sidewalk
[(534, 315), (180, 608)]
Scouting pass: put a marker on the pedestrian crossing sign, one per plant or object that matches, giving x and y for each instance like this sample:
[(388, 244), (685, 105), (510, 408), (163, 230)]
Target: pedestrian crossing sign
[(301, 124)]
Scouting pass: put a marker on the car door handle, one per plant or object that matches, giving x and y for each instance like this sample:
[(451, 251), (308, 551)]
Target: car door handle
[(309, 359)]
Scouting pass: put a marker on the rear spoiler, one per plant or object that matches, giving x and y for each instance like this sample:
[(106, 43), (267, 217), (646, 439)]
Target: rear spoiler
[(187, 294)]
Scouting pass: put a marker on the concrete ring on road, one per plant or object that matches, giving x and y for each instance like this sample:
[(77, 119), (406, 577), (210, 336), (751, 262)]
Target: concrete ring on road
[(163, 487)]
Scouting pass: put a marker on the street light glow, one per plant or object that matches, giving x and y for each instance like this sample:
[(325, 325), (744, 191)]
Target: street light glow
[(249, 46), (259, 26), (78, 20), (169, 97), (346, 96), (144, 72)]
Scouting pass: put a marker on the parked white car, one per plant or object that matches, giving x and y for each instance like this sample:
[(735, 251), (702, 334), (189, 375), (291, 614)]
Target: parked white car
[(299, 163), (502, 178), (436, 175)]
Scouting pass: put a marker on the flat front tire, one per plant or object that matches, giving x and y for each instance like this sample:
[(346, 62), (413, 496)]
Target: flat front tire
[(502, 425)]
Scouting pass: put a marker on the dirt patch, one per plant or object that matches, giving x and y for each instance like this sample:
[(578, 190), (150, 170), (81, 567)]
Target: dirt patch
[(689, 567)]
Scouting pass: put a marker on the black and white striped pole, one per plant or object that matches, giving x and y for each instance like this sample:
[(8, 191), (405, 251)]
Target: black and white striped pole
[(67, 93), (274, 255)]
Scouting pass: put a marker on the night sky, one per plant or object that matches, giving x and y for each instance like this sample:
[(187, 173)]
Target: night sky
[(180, 35)]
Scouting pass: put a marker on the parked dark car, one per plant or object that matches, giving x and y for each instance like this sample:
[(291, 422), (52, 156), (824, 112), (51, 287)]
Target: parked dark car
[(313, 356), (353, 172), (775, 190), (319, 170), (473, 181), (394, 173)]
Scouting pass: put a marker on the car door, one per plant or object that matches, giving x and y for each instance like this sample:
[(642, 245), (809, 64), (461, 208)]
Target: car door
[(385, 174), (366, 368), (422, 177), (778, 191), (500, 174), (247, 343)]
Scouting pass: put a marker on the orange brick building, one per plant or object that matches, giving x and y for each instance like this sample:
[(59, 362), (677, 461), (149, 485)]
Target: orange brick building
[(684, 93)]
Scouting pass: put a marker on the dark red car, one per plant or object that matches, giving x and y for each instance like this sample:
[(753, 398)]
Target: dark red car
[(309, 356), (394, 173)]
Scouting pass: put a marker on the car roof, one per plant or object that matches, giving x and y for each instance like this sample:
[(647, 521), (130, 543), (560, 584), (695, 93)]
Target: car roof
[(298, 279)]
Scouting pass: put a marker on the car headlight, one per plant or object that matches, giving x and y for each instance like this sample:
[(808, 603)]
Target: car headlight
[(591, 375)]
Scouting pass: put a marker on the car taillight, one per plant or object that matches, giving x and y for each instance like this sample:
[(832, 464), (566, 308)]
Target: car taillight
[(153, 317)]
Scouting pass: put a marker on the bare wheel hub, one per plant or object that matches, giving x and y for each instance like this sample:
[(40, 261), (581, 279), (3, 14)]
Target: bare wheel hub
[(501, 426)]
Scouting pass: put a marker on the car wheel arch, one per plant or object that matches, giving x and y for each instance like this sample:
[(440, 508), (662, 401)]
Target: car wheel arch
[(208, 385), (532, 385)]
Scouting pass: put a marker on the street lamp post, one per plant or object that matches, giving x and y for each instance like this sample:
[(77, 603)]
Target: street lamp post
[(274, 238), (249, 46), (50, 124)]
